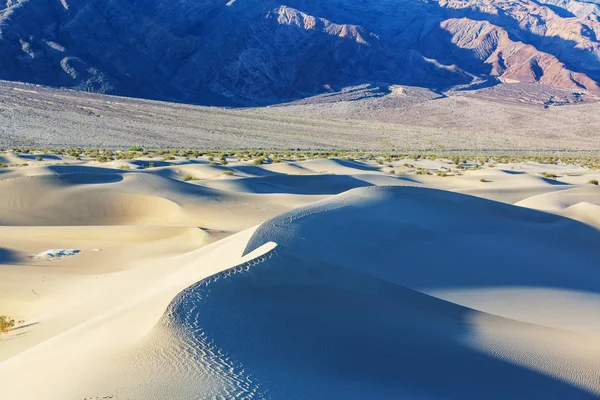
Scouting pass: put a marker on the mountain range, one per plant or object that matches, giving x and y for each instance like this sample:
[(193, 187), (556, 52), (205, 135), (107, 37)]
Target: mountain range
[(256, 52)]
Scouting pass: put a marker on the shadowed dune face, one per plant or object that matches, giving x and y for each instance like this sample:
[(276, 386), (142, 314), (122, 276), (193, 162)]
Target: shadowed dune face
[(33, 157), (354, 165), (291, 327), (61, 170), (8, 256), (299, 184), (91, 179)]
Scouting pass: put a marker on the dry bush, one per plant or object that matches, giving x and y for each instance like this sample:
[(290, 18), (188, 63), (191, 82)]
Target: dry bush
[(6, 324)]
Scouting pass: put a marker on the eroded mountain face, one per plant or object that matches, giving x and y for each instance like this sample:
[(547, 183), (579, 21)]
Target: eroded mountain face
[(269, 51)]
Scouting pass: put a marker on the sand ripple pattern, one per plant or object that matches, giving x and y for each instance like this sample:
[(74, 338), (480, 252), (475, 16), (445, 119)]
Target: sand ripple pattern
[(184, 318)]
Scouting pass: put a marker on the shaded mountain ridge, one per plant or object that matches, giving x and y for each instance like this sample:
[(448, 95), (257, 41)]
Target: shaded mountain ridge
[(250, 52)]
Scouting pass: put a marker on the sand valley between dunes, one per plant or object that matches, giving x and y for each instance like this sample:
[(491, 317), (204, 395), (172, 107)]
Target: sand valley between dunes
[(328, 278)]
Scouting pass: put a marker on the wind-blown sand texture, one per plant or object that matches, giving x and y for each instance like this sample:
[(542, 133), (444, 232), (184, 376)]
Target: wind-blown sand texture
[(320, 279)]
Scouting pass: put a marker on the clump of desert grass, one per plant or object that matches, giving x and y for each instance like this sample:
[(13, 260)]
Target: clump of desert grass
[(7, 323)]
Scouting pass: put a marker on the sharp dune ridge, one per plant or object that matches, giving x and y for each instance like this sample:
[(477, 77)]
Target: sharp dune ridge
[(324, 278)]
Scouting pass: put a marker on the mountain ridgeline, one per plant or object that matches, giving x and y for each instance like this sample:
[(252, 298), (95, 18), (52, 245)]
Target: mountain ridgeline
[(253, 52)]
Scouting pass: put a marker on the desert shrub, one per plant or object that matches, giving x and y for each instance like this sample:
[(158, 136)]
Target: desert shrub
[(6, 324), (136, 148), (259, 161), (228, 173), (73, 152), (483, 180), (126, 155), (549, 175), (276, 160), (593, 182), (39, 158), (123, 166), (392, 171), (189, 177), (103, 158), (211, 158)]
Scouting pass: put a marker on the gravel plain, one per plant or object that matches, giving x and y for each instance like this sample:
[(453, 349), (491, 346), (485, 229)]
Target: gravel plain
[(368, 117)]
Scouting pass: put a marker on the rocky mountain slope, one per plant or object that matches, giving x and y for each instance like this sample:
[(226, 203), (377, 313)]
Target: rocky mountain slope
[(225, 52)]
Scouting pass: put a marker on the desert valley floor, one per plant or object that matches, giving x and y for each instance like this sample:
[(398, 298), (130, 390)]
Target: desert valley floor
[(329, 278)]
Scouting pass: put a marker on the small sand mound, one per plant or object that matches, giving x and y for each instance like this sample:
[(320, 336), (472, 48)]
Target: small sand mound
[(585, 212), (557, 201)]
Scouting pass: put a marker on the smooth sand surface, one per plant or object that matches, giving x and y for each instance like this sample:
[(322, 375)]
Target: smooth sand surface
[(319, 279)]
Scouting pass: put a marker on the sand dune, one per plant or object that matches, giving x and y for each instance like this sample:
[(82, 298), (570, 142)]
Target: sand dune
[(317, 279), (66, 196), (563, 200)]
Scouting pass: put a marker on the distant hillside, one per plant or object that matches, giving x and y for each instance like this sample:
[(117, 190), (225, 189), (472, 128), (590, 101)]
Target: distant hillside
[(249, 52), (519, 117)]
